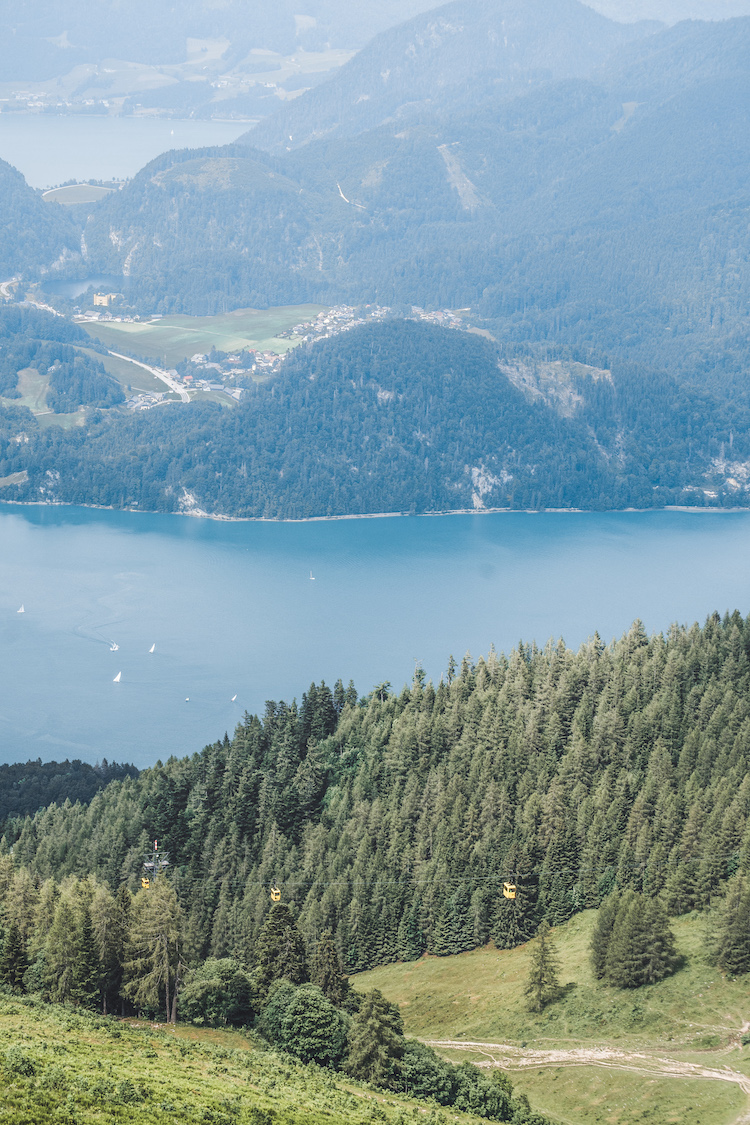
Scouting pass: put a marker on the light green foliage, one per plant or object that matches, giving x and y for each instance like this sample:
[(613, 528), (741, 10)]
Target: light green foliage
[(153, 959), (58, 1067)]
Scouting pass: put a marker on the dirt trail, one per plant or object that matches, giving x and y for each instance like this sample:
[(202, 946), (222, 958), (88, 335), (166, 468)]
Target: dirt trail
[(525, 1058)]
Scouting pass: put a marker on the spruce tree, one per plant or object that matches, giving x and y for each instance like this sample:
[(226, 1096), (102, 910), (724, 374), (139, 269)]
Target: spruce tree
[(13, 960), (600, 938), (731, 944), (280, 949), (543, 985), (326, 970), (376, 1041)]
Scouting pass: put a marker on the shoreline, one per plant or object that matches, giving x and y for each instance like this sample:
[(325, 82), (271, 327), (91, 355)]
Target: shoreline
[(199, 513)]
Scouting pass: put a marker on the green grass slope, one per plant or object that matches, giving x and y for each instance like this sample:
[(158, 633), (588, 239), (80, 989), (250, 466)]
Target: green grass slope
[(58, 1065), (665, 1053)]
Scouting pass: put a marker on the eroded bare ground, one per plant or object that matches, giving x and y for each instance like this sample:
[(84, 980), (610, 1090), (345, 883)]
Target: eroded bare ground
[(525, 1058)]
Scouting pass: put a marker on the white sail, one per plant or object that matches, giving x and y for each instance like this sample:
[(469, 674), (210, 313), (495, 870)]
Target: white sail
[(21, 610), (113, 647), (233, 699), (312, 576), (117, 678), (152, 648)]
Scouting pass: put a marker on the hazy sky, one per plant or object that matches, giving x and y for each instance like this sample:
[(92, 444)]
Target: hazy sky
[(670, 11)]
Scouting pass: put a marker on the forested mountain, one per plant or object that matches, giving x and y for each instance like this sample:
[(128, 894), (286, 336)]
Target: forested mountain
[(604, 211), (33, 233), (454, 52), (394, 820), (402, 416)]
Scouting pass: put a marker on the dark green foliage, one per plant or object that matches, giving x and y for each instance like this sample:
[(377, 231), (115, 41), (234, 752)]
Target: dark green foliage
[(26, 787), (326, 970), (376, 1041), (13, 959), (639, 948), (217, 992), (600, 938), (314, 1029), (729, 945), (543, 985), (280, 949)]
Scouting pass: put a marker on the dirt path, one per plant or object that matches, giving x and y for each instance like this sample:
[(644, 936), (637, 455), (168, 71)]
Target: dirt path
[(524, 1058)]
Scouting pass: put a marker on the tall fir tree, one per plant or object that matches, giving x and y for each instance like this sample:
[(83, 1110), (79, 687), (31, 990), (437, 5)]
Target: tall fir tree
[(543, 984)]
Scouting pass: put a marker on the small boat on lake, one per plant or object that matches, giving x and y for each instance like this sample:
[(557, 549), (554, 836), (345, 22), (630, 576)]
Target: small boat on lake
[(312, 576), (113, 646), (153, 646), (21, 610), (233, 699), (117, 678)]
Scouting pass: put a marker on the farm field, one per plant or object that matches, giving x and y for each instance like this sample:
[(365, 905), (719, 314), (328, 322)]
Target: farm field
[(670, 1052), (127, 374), (173, 338)]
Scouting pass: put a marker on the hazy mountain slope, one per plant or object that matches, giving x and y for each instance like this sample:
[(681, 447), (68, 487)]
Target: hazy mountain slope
[(32, 233), (671, 11), (45, 38), (425, 63), (609, 211)]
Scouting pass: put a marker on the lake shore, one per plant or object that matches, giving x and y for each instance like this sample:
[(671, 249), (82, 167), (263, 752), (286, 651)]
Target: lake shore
[(200, 513)]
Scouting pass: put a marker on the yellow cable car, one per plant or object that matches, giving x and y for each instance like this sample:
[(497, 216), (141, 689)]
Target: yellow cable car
[(275, 894), (509, 890), (145, 883)]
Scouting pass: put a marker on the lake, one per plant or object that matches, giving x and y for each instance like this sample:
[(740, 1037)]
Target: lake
[(232, 610), (50, 150)]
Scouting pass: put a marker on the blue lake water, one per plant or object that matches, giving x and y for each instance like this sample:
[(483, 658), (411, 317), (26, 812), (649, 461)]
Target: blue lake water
[(232, 610), (50, 150)]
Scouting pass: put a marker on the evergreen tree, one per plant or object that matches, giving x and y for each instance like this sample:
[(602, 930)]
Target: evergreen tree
[(280, 949), (375, 1041), (641, 948), (326, 971), (730, 947), (600, 938), (13, 959), (543, 985), (153, 956)]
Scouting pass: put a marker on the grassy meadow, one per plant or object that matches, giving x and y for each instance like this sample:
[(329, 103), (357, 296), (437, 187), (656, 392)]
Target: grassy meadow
[(173, 338), (33, 391), (659, 1038), (59, 1065)]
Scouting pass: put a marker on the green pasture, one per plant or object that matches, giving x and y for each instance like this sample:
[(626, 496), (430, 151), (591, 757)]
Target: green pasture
[(33, 389), (127, 374), (173, 338), (696, 1016)]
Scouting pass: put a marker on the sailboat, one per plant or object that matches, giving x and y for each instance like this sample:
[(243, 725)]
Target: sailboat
[(312, 576), (233, 699), (113, 646), (21, 610), (153, 646), (117, 678)]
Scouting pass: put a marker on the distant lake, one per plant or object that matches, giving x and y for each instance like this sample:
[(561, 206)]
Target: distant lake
[(49, 150), (232, 610)]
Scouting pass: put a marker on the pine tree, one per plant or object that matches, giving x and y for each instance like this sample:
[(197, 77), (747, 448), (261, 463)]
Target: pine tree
[(600, 938), (543, 986), (13, 960), (376, 1041), (326, 970), (280, 949), (731, 945)]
